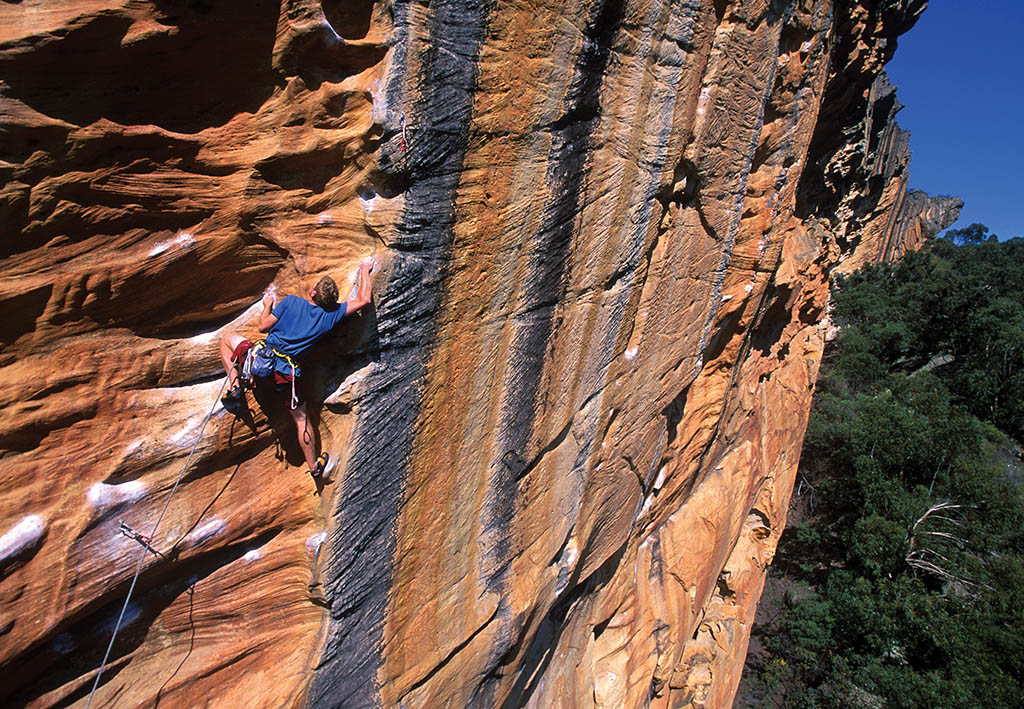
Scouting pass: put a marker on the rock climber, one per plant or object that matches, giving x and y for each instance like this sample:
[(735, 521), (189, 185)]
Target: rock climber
[(292, 327)]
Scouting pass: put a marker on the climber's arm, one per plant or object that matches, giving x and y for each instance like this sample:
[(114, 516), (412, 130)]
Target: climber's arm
[(363, 294), (267, 318)]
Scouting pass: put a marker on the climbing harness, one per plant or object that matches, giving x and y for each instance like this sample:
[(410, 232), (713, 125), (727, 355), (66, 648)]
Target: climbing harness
[(256, 363), (260, 364), (146, 544)]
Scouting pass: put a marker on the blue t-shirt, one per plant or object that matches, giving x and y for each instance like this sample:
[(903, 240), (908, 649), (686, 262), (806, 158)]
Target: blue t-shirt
[(299, 325)]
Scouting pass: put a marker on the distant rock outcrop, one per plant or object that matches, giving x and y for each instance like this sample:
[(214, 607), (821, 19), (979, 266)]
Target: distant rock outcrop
[(566, 432)]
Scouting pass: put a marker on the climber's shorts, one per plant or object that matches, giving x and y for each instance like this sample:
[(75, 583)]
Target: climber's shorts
[(283, 387), (238, 355)]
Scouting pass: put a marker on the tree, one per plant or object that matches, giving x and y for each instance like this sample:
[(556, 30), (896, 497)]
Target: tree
[(904, 570), (974, 234)]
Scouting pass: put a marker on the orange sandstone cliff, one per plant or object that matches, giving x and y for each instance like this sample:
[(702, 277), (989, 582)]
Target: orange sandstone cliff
[(565, 433)]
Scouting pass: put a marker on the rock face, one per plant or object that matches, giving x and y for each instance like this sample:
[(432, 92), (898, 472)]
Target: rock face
[(565, 432)]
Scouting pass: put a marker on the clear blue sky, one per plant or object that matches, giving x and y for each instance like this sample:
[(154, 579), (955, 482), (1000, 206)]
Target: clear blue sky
[(960, 73)]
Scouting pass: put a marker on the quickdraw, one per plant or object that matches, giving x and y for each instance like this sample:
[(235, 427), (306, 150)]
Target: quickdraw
[(294, 366), (142, 539)]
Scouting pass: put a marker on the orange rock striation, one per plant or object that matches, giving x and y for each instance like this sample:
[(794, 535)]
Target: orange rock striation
[(565, 433)]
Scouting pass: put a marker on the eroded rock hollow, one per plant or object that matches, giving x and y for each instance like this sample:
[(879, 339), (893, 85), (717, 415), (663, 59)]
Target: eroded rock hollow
[(566, 430)]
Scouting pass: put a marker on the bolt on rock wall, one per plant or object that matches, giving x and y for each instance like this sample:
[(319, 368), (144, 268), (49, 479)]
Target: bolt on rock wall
[(565, 432)]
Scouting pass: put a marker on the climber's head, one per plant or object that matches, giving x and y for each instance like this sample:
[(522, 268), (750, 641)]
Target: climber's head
[(325, 293)]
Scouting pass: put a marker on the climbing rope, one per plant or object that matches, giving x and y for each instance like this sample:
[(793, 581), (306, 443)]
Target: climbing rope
[(142, 558)]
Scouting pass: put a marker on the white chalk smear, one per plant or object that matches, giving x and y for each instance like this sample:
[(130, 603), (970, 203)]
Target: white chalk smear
[(378, 111), (325, 218), (182, 240), (316, 540), (726, 298), (569, 557), (24, 535), (186, 432), (647, 506), (251, 556), (749, 287), (705, 94), (661, 477), (805, 46), (104, 495), (255, 309), (213, 527), (630, 354), (357, 376), (204, 338)]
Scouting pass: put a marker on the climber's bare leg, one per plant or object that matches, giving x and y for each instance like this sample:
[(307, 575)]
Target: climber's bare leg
[(307, 436), (228, 342)]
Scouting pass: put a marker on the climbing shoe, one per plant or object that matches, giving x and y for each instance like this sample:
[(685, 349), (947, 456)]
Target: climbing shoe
[(234, 400), (321, 465)]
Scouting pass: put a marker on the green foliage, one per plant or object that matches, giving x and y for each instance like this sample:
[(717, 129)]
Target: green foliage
[(957, 311), (974, 234), (904, 566)]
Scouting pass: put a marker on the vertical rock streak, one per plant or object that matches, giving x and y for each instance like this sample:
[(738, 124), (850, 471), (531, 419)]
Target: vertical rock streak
[(777, 205), (549, 253), (362, 540), (765, 77)]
